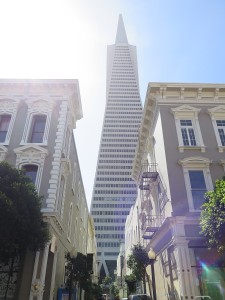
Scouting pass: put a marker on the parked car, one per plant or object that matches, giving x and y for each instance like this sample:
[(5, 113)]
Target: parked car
[(139, 297)]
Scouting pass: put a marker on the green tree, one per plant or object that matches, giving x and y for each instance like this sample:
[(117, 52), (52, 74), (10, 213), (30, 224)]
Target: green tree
[(114, 290), (137, 263), (212, 220), (77, 272), (21, 223), (131, 283)]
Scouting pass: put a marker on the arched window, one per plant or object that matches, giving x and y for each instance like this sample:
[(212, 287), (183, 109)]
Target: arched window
[(31, 171)]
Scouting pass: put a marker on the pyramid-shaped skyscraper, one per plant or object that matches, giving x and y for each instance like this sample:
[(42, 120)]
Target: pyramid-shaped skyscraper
[(114, 191)]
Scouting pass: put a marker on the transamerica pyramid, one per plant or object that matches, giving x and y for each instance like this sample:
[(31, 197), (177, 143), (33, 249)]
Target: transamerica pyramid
[(114, 191)]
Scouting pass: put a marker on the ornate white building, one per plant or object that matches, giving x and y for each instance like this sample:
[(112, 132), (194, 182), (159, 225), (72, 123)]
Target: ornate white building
[(37, 118)]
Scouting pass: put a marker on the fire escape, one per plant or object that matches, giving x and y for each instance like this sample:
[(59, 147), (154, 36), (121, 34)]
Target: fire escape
[(153, 200)]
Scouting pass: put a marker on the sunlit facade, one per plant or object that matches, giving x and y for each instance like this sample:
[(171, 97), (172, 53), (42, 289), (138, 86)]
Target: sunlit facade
[(180, 155), (114, 191)]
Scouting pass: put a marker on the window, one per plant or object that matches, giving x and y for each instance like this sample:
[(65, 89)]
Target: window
[(31, 171), (188, 129), (197, 180), (218, 120), (198, 187), (221, 130), (4, 125), (37, 129), (188, 134)]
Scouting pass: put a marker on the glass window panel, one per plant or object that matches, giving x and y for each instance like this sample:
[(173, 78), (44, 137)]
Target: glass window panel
[(38, 129), (198, 187), (198, 198), (185, 136), (192, 136), (197, 179), (222, 136), (4, 125), (31, 171)]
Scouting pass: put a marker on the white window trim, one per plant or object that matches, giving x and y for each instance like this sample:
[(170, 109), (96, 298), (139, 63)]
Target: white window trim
[(32, 155), (65, 169), (198, 164), (186, 112), (217, 113), (37, 107), (74, 178), (9, 107), (3, 152), (222, 162), (69, 225)]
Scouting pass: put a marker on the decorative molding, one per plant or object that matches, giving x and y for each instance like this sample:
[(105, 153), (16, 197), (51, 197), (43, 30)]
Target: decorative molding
[(217, 113), (188, 112), (32, 154), (200, 164), (54, 181), (37, 107), (9, 106), (3, 152)]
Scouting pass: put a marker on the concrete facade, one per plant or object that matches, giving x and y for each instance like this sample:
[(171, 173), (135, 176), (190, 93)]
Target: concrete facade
[(42, 115), (179, 156)]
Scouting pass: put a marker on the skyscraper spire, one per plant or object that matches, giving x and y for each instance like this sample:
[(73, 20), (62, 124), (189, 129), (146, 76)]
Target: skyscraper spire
[(114, 191), (121, 36)]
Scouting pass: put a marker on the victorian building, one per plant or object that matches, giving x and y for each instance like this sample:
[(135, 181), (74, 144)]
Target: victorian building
[(179, 156), (37, 119)]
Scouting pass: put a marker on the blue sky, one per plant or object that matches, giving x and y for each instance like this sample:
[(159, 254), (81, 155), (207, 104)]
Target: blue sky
[(177, 41)]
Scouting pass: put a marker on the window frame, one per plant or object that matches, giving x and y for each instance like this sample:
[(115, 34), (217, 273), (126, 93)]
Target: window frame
[(186, 112), (9, 107), (1, 123), (195, 164), (217, 113), (35, 118), (37, 107), (31, 164)]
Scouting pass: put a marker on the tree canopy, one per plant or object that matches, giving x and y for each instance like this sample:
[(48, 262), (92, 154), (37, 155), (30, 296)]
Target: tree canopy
[(21, 223), (137, 263), (212, 219)]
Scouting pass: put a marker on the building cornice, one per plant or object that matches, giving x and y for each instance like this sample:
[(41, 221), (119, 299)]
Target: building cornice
[(163, 93)]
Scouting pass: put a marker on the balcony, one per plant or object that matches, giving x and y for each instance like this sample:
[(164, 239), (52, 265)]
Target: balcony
[(150, 225), (148, 174)]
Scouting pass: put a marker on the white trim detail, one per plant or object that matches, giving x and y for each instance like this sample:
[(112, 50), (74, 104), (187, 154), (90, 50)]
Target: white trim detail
[(32, 154), (3, 152), (222, 161), (51, 201), (37, 107), (10, 107), (217, 113), (199, 164), (185, 112)]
